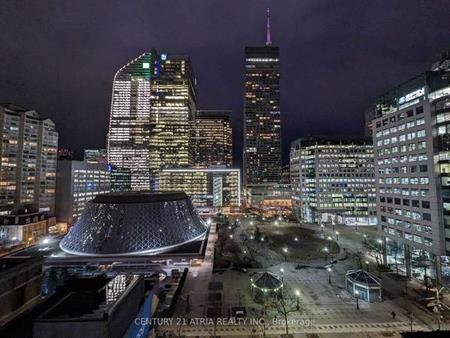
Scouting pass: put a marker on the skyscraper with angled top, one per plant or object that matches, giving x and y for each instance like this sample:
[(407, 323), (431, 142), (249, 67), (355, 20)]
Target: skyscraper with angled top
[(262, 123), (152, 109)]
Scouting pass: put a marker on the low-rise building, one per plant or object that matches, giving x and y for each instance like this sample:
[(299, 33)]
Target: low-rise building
[(20, 285), (106, 312), (270, 199), (24, 225), (211, 188)]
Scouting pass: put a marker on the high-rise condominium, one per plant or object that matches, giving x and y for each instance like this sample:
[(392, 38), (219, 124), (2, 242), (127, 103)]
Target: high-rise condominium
[(213, 139), (262, 124), (153, 105), (28, 147), (412, 165)]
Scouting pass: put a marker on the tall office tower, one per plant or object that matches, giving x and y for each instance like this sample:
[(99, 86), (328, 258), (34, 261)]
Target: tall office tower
[(333, 180), (173, 106), (153, 103), (129, 124), (28, 149), (262, 124), (412, 166), (213, 138)]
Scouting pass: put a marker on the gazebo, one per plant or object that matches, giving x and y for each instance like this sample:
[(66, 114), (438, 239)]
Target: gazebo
[(265, 284), (364, 285)]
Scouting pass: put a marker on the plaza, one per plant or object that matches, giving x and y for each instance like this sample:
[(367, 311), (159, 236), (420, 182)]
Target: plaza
[(314, 293)]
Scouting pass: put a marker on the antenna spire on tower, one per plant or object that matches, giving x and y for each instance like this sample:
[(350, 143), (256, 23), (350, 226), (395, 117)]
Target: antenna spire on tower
[(268, 35)]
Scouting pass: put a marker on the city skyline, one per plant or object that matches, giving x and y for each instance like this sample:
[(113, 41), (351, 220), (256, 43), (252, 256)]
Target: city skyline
[(226, 187), (316, 60)]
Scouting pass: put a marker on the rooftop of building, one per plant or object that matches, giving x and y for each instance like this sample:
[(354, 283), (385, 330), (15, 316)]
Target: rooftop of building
[(213, 169), (91, 304), (327, 140), (8, 264), (139, 197), (216, 113), (262, 50), (18, 110), (22, 214)]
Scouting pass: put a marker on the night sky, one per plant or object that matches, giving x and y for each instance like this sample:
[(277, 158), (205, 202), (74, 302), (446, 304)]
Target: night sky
[(59, 57)]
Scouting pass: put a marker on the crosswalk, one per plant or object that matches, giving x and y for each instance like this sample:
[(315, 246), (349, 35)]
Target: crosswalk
[(225, 331)]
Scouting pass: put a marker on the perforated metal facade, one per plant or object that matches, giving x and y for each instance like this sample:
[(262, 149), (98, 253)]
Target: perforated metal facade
[(133, 224)]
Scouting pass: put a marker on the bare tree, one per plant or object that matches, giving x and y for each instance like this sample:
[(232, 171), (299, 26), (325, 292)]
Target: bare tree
[(286, 304)]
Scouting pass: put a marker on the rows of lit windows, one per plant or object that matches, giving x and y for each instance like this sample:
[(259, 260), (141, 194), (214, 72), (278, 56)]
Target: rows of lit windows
[(408, 236)]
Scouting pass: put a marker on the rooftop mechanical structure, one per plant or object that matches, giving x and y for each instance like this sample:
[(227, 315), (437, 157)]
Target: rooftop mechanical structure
[(134, 223)]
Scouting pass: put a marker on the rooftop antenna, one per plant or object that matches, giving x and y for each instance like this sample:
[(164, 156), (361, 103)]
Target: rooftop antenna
[(268, 35)]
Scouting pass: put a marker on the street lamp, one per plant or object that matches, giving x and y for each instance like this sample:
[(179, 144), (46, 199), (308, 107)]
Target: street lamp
[(296, 239), (337, 235), (357, 299), (285, 250), (367, 266), (251, 222), (297, 293), (326, 253), (276, 223), (329, 275), (45, 241)]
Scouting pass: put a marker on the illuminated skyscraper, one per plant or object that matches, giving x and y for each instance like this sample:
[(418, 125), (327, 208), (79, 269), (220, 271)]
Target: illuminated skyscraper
[(28, 150), (153, 105), (262, 128), (129, 125), (213, 138), (172, 115)]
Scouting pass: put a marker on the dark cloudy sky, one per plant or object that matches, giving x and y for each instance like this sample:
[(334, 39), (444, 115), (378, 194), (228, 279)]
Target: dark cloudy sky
[(59, 57)]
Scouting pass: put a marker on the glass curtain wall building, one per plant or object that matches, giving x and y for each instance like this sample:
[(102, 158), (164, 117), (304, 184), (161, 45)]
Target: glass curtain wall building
[(173, 107), (333, 181), (262, 123), (213, 138), (129, 125), (153, 106), (412, 166), (213, 188)]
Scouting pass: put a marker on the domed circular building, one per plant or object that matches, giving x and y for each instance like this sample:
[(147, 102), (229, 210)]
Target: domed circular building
[(134, 223)]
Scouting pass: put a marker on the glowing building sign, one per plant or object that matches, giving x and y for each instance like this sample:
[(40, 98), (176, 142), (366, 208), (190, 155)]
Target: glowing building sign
[(411, 96)]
